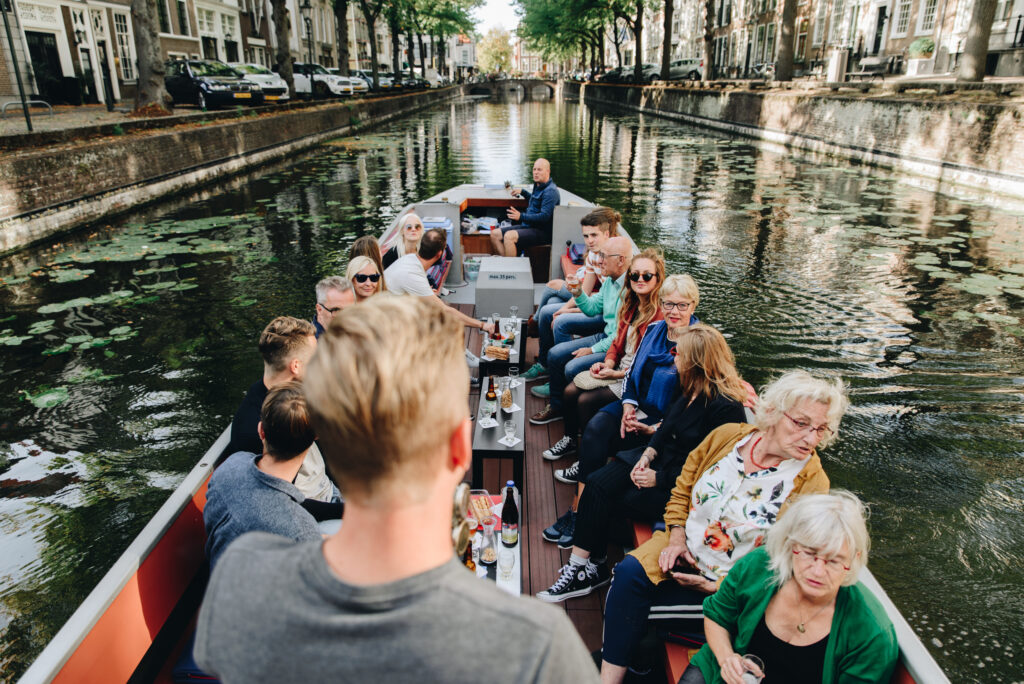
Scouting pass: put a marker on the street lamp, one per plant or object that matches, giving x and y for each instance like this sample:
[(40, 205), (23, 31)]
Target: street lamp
[(307, 9)]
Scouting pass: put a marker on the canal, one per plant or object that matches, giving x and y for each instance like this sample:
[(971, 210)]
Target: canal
[(127, 347)]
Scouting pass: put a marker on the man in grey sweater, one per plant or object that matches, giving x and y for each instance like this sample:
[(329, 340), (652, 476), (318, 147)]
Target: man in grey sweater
[(384, 599)]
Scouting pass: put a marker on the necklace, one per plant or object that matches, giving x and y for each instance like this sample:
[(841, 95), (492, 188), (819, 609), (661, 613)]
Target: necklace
[(802, 627), (752, 459)]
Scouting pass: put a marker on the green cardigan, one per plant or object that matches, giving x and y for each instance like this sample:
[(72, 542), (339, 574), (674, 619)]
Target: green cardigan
[(861, 647)]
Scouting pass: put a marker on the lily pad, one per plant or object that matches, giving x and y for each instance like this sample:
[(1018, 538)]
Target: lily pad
[(41, 327), (57, 307), (47, 397), (181, 287), (62, 349), (159, 286), (78, 339), (962, 316), (120, 330), (70, 275), (13, 340), (959, 263)]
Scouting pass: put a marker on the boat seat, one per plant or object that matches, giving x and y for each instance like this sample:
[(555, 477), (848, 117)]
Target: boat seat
[(540, 258)]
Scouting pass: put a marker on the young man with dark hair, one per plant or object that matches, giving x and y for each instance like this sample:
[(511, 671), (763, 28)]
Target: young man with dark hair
[(384, 599), (250, 492)]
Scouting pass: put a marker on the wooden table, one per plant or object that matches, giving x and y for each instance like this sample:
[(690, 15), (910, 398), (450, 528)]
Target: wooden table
[(486, 444)]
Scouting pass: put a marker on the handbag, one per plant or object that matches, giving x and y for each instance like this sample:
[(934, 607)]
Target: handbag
[(585, 381)]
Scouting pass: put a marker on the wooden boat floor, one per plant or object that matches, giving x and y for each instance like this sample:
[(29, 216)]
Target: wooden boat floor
[(544, 499)]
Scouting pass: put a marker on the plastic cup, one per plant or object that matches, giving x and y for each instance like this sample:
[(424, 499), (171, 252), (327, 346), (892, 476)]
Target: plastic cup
[(510, 430), (750, 660)]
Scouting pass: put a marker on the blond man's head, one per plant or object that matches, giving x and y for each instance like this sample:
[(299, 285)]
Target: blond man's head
[(386, 391)]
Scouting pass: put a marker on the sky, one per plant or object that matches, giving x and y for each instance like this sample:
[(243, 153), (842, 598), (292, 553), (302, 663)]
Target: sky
[(496, 13)]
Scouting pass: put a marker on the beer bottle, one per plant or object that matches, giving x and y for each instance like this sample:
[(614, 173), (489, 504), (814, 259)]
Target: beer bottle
[(491, 397), (510, 517)]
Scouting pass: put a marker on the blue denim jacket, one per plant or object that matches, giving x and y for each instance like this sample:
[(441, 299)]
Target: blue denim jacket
[(541, 209)]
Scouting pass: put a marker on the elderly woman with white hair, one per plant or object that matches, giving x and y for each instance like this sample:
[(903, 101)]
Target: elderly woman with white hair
[(797, 605), (732, 489)]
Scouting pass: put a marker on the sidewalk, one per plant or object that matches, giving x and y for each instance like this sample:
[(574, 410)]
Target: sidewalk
[(65, 116)]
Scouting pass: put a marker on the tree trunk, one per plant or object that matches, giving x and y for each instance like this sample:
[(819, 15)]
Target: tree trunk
[(410, 40), (638, 34), (370, 17), (423, 56), (617, 42), (283, 53), (583, 57), (151, 93), (709, 39), (341, 19), (666, 41), (972, 67), (599, 42), (787, 35), (396, 63)]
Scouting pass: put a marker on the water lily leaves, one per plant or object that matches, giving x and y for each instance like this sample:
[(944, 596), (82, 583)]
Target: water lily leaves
[(70, 275), (62, 349), (120, 330), (962, 316), (10, 340), (149, 271), (57, 307), (159, 286), (95, 342), (46, 397), (112, 297), (181, 287), (41, 327), (958, 263)]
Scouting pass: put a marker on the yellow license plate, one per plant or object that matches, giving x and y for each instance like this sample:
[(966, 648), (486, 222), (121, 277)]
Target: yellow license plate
[(243, 95), (271, 97)]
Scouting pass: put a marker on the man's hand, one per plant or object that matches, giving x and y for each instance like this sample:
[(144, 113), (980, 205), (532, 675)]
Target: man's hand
[(514, 213), (516, 192), (584, 351), (488, 327)]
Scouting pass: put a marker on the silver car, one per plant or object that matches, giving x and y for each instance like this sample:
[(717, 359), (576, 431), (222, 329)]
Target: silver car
[(273, 86), (691, 69)]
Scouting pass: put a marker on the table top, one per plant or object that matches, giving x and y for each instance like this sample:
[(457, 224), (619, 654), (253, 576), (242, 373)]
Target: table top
[(486, 439), (515, 357), (514, 584)]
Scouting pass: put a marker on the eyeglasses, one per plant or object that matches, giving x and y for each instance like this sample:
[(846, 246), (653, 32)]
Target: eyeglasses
[(363, 277), (603, 256), (648, 277), (669, 306), (810, 556), (822, 430), (330, 309)]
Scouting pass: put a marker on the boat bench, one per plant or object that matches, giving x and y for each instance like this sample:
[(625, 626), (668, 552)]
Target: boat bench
[(677, 656)]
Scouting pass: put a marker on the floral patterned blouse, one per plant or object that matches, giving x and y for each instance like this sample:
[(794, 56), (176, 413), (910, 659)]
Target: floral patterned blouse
[(730, 511)]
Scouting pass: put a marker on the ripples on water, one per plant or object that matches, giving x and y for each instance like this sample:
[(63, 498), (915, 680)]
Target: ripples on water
[(914, 298)]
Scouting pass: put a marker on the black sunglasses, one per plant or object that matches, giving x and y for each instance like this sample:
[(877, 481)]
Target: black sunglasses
[(363, 277), (648, 277)]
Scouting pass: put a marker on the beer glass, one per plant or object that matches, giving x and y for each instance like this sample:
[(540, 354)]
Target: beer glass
[(510, 430), (506, 562)]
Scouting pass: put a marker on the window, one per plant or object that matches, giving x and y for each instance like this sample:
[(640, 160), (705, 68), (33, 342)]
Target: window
[(759, 45), (1003, 10), (902, 17), (183, 18), (124, 49), (801, 42), (928, 16), (227, 26), (819, 24), (769, 44), (165, 18), (836, 27), (206, 20)]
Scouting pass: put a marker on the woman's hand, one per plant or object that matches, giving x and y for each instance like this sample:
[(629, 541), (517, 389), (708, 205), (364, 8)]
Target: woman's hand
[(628, 418), (605, 371), (568, 307), (644, 478), (733, 667), (669, 555), (691, 581)]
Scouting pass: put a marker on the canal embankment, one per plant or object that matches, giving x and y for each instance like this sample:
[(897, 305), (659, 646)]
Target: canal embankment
[(950, 140), (53, 182)]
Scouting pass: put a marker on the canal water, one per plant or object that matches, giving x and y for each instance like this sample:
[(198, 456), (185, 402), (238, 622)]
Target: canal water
[(127, 347)]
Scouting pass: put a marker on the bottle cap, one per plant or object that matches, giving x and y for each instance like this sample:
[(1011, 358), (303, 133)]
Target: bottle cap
[(510, 483)]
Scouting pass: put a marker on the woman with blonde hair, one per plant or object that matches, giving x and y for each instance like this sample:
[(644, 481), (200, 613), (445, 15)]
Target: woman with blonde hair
[(796, 604), (407, 241), (731, 490), (365, 277), (636, 484)]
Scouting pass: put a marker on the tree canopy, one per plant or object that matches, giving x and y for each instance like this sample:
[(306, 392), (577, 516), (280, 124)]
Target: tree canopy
[(494, 54)]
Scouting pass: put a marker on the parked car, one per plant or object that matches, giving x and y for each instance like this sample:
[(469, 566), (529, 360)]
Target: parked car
[(413, 82), (763, 70), (312, 80), (395, 79), (648, 72), (383, 82), (359, 86), (691, 69), (209, 83), (273, 86), (613, 76)]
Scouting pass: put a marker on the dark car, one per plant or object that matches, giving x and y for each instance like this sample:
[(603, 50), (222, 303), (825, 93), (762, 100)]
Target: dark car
[(209, 83), (613, 76)]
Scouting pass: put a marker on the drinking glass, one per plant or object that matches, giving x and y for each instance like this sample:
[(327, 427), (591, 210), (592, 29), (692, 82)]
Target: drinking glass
[(513, 376), (506, 562), (513, 312), (503, 384), (484, 414), (748, 676), (510, 430)]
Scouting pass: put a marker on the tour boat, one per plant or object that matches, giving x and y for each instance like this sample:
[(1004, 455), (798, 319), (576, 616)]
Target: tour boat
[(133, 626)]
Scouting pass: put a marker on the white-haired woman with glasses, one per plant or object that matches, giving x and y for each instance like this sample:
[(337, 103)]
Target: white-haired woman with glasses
[(732, 489), (365, 278), (797, 605)]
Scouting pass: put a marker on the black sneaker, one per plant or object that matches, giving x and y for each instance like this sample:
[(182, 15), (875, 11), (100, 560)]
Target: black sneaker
[(555, 532), (563, 447), (601, 573), (566, 541), (570, 475), (574, 580)]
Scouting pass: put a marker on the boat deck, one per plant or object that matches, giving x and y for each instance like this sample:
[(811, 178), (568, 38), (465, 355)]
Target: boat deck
[(544, 499)]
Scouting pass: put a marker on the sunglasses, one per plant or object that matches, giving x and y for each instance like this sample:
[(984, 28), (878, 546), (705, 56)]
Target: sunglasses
[(363, 277), (648, 277)]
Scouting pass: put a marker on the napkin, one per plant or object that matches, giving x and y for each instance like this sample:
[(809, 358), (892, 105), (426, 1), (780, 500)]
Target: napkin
[(509, 442), (488, 423), (513, 408)]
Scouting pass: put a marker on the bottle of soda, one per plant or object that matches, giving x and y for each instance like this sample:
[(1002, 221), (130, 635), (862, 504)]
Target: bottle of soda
[(491, 397), (510, 517)]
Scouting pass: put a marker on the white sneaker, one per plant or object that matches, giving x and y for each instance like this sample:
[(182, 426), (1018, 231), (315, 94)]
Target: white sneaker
[(472, 359)]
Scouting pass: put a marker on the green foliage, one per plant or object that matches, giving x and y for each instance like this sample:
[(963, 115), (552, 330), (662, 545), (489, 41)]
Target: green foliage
[(922, 47), (494, 53)]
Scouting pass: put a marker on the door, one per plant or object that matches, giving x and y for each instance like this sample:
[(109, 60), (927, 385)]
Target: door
[(42, 50), (106, 72), (209, 48), (88, 80), (883, 13)]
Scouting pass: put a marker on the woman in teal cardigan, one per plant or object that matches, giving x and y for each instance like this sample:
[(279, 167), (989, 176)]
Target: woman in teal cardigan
[(796, 605)]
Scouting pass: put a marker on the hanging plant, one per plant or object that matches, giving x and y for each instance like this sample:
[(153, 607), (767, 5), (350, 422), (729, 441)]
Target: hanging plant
[(922, 48)]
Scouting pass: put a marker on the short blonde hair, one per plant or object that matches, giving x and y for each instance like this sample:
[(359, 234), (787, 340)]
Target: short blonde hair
[(795, 386), (682, 284), (357, 264), (824, 523), (386, 390)]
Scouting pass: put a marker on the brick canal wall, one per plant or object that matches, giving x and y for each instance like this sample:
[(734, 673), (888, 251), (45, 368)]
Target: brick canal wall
[(978, 145), (74, 178)]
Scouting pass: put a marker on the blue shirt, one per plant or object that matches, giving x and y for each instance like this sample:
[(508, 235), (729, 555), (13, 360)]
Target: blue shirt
[(541, 208), (242, 498)]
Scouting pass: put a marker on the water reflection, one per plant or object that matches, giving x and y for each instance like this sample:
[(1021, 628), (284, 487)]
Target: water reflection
[(127, 348)]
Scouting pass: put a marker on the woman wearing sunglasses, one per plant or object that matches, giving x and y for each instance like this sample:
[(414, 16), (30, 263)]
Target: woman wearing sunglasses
[(366, 279), (731, 490), (797, 605), (410, 232)]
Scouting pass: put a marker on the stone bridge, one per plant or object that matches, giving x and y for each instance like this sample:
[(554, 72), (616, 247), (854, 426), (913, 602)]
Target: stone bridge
[(513, 88)]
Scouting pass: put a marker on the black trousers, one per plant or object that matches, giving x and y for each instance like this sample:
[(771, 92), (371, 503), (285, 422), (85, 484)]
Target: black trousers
[(601, 441), (610, 492), (579, 406)]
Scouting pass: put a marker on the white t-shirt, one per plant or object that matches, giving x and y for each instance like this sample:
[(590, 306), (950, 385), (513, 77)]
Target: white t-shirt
[(406, 276)]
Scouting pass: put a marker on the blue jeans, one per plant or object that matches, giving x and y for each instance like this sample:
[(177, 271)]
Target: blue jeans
[(628, 607), (563, 367), (549, 296)]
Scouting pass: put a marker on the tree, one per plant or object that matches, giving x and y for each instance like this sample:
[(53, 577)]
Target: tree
[(282, 51), (972, 67), (666, 41), (495, 51), (787, 33), (371, 11), (709, 39), (151, 96), (341, 22)]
